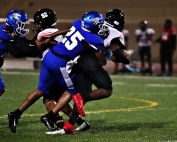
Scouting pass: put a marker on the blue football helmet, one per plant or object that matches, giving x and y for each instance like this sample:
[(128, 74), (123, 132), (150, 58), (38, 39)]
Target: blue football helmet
[(18, 20), (92, 21)]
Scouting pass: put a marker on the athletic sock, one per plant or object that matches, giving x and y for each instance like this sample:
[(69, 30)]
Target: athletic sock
[(18, 113), (79, 121), (52, 116), (86, 98)]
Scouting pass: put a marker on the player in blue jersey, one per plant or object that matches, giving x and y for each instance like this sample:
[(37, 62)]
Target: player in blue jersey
[(43, 26), (94, 72), (18, 20), (92, 26), (54, 63), (15, 25)]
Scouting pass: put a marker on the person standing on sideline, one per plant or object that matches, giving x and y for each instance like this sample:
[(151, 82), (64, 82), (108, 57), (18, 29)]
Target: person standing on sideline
[(143, 38), (167, 42)]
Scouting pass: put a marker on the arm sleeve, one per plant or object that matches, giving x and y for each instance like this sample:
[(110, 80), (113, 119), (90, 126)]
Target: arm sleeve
[(14, 50), (27, 46), (158, 40), (116, 41)]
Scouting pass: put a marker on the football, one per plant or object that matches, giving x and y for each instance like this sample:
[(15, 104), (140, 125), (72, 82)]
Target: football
[(113, 59)]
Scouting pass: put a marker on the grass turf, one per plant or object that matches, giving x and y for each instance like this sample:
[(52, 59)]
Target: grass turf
[(141, 109)]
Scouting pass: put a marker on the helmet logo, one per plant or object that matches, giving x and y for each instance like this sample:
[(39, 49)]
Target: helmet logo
[(44, 15), (116, 23), (96, 21), (16, 15)]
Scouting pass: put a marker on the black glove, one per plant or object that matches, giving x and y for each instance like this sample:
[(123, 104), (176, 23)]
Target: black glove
[(8, 29)]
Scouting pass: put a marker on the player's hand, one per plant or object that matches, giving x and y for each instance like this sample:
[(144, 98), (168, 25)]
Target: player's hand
[(8, 29), (46, 37), (42, 44)]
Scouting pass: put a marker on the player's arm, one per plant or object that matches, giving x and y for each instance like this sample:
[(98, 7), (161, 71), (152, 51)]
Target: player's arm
[(118, 51), (60, 32), (13, 49), (98, 53), (101, 57), (34, 48), (173, 41)]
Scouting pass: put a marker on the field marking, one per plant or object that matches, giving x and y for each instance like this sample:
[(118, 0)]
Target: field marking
[(151, 104), (161, 85), (112, 76)]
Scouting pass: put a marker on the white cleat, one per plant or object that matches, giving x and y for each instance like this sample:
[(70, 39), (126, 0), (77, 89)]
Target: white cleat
[(83, 127), (60, 132)]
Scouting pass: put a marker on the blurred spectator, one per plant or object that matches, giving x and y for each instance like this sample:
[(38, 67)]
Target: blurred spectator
[(116, 67), (143, 38), (167, 42)]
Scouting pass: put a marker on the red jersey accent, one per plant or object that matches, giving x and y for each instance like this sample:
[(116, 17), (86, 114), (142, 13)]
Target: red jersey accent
[(166, 34)]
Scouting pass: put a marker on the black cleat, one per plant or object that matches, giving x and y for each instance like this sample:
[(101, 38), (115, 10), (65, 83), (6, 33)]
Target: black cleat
[(13, 121), (83, 127), (48, 122)]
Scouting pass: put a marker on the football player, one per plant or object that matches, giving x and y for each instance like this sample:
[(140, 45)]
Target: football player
[(143, 38), (19, 20), (94, 71), (93, 25), (44, 22)]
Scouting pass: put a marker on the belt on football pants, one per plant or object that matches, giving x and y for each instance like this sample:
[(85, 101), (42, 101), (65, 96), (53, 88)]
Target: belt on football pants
[(60, 55)]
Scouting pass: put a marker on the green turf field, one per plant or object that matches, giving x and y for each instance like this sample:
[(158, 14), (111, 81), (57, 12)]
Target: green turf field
[(141, 109)]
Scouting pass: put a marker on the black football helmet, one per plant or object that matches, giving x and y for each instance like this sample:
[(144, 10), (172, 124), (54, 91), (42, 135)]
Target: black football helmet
[(43, 19), (115, 18), (143, 25)]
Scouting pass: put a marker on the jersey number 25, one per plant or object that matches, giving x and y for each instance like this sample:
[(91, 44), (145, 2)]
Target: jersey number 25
[(74, 35)]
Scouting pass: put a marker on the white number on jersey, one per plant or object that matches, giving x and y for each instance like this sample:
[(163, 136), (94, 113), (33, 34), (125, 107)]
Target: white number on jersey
[(74, 36), (44, 15)]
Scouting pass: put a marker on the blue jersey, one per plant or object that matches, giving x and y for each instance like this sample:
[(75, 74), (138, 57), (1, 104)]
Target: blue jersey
[(3, 36), (71, 45)]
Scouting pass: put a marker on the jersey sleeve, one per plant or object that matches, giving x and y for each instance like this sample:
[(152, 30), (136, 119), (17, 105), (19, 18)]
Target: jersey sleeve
[(47, 32), (173, 31), (137, 32), (50, 31), (150, 31), (98, 43), (76, 23)]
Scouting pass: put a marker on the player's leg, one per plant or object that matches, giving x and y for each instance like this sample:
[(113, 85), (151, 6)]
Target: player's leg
[(170, 62), (148, 55), (95, 73), (162, 61), (141, 54), (45, 81), (62, 76)]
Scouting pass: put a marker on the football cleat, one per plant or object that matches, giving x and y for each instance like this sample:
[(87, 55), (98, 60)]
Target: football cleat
[(13, 121), (83, 127), (48, 122), (69, 129), (60, 131), (79, 104)]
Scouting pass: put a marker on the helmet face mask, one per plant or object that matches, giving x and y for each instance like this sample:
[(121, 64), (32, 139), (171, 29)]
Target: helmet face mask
[(104, 31), (91, 21), (18, 20), (43, 19), (115, 18)]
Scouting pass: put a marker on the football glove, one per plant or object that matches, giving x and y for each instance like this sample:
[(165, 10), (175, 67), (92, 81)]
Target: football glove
[(8, 29)]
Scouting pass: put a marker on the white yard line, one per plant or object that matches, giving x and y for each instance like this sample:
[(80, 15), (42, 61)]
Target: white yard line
[(98, 112)]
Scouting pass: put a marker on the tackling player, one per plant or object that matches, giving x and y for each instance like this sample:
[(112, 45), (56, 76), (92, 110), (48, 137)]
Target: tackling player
[(19, 20), (94, 71), (94, 27), (43, 25)]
